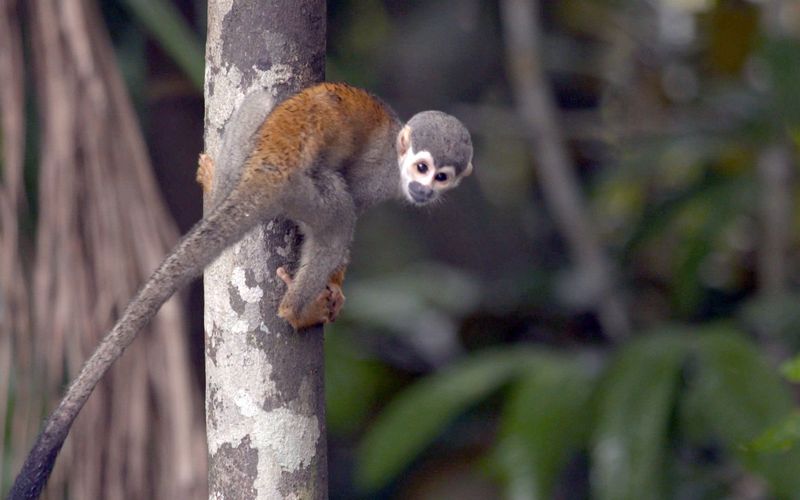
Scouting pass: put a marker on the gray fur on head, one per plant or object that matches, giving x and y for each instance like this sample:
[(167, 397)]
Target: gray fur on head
[(444, 137)]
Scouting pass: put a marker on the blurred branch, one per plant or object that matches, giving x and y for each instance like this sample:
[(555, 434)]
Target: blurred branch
[(774, 170), (521, 26), (774, 174)]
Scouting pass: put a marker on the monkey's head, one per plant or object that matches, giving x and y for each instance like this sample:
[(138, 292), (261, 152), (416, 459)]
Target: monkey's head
[(434, 152)]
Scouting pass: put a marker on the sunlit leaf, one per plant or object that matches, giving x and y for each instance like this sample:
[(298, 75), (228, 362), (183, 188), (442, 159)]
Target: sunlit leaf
[(791, 369), (794, 135), (416, 416), (634, 407), (545, 421), (781, 437)]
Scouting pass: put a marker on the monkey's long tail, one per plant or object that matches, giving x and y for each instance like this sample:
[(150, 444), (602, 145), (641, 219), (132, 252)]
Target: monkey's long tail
[(224, 225)]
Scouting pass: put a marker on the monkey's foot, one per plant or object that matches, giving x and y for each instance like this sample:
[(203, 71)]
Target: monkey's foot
[(205, 172), (324, 309)]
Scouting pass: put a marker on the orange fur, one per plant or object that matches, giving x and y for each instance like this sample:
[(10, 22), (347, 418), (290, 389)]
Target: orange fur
[(324, 309), (337, 277), (299, 129)]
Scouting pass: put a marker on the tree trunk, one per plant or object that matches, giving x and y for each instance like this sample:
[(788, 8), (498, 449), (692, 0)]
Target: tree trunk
[(265, 410)]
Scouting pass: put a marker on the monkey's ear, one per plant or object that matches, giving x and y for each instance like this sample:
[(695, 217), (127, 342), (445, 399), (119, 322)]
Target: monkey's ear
[(403, 140), (468, 170)]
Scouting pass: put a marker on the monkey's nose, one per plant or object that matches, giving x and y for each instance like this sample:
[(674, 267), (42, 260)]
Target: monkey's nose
[(419, 192)]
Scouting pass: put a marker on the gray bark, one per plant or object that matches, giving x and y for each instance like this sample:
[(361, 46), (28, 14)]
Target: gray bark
[(265, 410)]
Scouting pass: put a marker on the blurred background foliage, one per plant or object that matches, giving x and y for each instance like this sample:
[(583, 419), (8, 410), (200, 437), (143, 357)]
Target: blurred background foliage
[(472, 359)]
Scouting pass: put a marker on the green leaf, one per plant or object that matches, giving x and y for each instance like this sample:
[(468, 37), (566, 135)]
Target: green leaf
[(687, 290), (166, 24), (735, 395), (634, 408), (544, 422), (791, 369), (417, 415), (781, 437)]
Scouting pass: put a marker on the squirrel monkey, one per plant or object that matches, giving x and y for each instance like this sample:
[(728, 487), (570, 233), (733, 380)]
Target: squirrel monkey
[(319, 158)]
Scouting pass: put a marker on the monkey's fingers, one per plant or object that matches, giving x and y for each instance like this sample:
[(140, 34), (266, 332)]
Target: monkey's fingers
[(205, 172), (335, 301), (315, 313), (283, 274), (324, 309)]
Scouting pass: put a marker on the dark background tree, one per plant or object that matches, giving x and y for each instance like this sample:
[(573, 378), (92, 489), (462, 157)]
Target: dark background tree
[(94, 228), (473, 358)]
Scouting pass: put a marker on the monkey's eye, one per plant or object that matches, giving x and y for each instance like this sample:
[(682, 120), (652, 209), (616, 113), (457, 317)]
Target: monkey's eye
[(440, 177), (422, 167)]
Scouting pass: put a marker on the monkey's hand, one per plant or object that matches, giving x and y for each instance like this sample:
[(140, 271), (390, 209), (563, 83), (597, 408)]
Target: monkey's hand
[(205, 172), (324, 309)]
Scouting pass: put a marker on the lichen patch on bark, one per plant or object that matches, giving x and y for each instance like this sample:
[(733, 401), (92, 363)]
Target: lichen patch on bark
[(246, 292), (288, 433)]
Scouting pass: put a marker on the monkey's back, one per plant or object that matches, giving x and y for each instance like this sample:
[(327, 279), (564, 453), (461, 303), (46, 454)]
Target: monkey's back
[(298, 133)]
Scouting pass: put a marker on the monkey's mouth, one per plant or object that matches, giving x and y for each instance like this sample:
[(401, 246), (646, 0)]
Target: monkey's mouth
[(418, 200), (419, 194)]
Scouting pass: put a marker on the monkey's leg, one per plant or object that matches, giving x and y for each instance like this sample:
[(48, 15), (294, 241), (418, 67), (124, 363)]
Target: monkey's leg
[(325, 212)]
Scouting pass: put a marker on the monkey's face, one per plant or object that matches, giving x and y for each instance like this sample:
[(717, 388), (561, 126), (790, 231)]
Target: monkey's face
[(422, 179)]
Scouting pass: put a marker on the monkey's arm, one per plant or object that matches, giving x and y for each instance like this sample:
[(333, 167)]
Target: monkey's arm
[(325, 308), (325, 212)]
